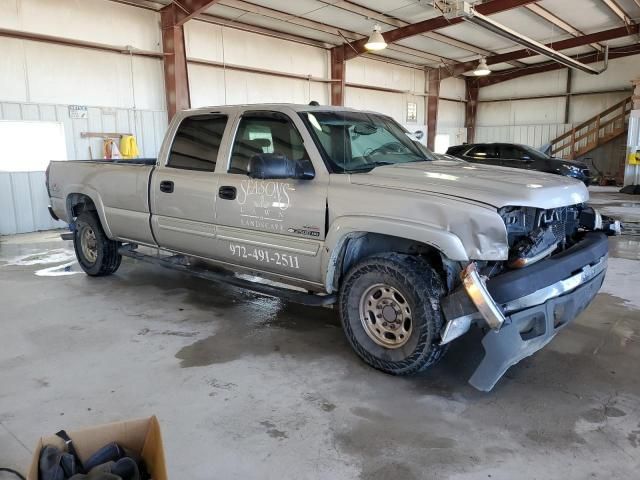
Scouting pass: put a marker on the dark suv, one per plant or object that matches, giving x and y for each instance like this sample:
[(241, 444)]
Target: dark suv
[(520, 156)]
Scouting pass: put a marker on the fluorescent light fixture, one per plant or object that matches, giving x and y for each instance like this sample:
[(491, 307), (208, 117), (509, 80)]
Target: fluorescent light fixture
[(376, 40), (482, 70), (470, 14)]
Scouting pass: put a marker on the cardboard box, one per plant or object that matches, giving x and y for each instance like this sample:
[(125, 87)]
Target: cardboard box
[(141, 436)]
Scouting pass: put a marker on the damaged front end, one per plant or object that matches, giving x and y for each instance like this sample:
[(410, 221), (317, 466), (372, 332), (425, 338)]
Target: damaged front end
[(557, 262)]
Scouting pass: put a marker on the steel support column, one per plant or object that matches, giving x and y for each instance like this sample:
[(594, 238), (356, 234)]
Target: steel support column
[(176, 77), (567, 104), (471, 109), (338, 68), (433, 98)]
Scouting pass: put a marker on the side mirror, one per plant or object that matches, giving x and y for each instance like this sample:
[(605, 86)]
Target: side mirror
[(275, 166), (526, 158)]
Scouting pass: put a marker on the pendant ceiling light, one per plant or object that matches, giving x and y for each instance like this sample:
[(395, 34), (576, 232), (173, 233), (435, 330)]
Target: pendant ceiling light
[(376, 40), (482, 70)]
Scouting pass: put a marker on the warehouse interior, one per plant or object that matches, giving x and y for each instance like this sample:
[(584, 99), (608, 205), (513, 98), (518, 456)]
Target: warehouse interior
[(252, 386)]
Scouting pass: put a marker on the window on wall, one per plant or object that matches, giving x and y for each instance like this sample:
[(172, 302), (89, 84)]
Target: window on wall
[(197, 143), (30, 146)]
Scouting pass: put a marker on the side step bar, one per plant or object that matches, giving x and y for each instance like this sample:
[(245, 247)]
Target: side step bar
[(176, 262)]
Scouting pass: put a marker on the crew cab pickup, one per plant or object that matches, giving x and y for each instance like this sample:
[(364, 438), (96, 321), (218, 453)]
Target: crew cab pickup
[(331, 205)]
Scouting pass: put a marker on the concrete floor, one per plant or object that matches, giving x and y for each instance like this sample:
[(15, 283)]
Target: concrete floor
[(248, 387)]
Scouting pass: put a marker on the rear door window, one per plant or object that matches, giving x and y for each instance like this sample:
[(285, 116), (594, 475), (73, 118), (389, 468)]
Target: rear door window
[(512, 152), (197, 142)]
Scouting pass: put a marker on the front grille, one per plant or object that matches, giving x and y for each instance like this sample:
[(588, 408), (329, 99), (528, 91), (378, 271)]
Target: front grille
[(563, 221), (521, 221)]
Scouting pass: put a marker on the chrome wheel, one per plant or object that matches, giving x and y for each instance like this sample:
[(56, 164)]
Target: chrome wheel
[(89, 244), (386, 316)]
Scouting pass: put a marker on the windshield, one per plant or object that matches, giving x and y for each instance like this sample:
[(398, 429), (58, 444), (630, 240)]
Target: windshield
[(354, 142)]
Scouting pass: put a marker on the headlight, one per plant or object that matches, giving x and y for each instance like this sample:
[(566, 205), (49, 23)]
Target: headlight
[(571, 168)]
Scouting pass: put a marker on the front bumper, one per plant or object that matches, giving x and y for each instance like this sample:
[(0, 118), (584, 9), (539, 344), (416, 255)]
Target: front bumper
[(535, 303)]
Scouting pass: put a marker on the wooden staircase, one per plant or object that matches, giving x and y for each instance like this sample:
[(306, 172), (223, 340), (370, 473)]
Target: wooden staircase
[(596, 131)]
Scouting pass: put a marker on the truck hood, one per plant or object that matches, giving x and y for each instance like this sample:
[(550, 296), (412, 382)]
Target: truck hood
[(496, 186)]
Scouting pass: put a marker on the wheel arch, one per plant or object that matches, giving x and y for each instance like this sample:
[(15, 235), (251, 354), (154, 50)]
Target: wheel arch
[(351, 239), (81, 199)]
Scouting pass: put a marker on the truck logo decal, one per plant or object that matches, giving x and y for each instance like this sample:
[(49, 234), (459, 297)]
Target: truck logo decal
[(263, 204), (265, 194)]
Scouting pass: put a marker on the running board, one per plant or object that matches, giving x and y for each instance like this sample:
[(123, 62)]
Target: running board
[(176, 262)]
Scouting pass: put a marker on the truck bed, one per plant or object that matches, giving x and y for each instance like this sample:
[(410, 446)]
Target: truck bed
[(125, 161), (119, 188)]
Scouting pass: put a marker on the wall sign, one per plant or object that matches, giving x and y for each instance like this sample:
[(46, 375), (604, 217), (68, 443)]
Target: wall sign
[(412, 112), (78, 111)]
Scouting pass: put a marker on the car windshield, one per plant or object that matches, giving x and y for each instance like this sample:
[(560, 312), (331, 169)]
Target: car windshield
[(353, 142), (535, 154)]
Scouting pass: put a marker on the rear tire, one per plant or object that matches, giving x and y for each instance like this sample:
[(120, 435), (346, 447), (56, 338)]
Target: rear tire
[(97, 255), (390, 312)]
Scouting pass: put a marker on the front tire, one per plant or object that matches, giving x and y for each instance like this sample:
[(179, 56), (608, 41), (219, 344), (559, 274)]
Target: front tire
[(390, 312), (96, 253)]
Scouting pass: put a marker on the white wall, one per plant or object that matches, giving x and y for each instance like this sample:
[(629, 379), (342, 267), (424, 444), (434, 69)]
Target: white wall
[(214, 85), (411, 81), (23, 203), (95, 20), (534, 135), (39, 80)]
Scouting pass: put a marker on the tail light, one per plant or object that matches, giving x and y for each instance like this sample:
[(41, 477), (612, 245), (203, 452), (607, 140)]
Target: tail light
[(46, 176)]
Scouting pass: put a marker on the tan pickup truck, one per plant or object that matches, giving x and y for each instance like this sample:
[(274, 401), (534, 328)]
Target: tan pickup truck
[(339, 206)]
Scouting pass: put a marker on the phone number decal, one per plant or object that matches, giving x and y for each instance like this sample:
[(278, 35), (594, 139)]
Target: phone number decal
[(264, 256)]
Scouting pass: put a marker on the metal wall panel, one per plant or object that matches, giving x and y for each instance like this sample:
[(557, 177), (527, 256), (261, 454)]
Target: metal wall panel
[(147, 125), (533, 135), (23, 195), (23, 203)]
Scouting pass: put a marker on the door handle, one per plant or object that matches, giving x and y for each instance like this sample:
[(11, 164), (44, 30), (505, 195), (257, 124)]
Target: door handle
[(227, 193), (166, 186)]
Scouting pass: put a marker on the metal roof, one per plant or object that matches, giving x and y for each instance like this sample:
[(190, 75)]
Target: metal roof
[(331, 22)]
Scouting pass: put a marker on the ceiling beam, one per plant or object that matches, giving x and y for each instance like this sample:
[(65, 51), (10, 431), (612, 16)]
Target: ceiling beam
[(504, 75), (339, 33), (382, 18), (487, 8), (185, 10), (619, 11), (558, 22), (386, 19), (602, 36)]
